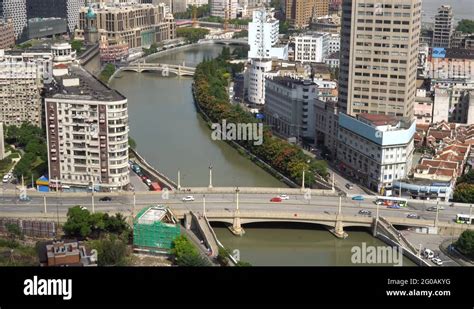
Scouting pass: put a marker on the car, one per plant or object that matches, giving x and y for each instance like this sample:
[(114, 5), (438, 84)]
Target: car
[(349, 186), (429, 254), (365, 212), (433, 208), (7, 177), (358, 198), (284, 197), (188, 198), (437, 261), (413, 216), (276, 199), (83, 208), (105, 199), (394, 206)]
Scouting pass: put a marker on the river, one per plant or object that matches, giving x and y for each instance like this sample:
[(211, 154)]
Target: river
[(171, 136)]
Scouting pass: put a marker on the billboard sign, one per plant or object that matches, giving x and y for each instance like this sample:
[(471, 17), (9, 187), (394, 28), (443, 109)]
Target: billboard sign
[(439, 52)]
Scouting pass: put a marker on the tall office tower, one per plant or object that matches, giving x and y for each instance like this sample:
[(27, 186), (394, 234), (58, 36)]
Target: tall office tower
[(16, 11), (379, 50), (87, 132), (443, 27), (224, 8), (300, 12), (7, 35)]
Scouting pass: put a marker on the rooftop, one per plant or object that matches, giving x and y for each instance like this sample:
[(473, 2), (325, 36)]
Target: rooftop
[(289, 81), (83, 85), (459, 53), (379, 120)]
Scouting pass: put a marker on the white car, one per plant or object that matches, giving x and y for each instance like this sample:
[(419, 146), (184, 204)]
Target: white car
[(188, 198), (437, 261), (7, 177), (284, 197)]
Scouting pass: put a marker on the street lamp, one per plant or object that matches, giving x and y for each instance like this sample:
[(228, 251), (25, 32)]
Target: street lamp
[(210, 176), (237, 198)]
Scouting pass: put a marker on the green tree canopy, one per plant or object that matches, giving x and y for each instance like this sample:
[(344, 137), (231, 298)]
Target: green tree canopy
[(464, 193), (192, 35), (465, 243), (466, 26)]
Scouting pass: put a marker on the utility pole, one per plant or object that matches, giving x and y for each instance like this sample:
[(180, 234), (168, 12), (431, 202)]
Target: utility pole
[(134, 204), (437, 214), (92, 196), (302, 181), (470, 214), (44, 202), (237, 198), (340, 205)]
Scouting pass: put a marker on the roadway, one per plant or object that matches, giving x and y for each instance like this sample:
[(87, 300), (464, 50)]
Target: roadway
[(10, 204)]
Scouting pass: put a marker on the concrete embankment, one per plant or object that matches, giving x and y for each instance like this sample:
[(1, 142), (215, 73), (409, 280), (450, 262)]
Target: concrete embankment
[(152, 172)]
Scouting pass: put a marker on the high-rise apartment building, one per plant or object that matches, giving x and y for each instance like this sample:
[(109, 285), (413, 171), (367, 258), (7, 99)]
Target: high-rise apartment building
[(379, 51), (299, 13), (311, 46), (87, 132), (443, 27), (263, 37), (7, 35), (224, 8), (16, 11), (22, 77)]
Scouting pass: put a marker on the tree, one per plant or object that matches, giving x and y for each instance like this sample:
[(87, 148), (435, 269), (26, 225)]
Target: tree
[(107, 72), (284, 27), (464, 193), (132, 143), (13, 230), (186, 254), (192, 35), (466, 26), (465, 243), (78, 222), (467, 178), (76, 45), (111, 251)]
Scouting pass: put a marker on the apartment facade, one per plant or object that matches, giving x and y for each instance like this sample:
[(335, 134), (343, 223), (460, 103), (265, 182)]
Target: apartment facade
[(263, 37), (289, 107), (7, 34), (22, 77), (87, 132), (375, 149), (136, 24), (311, 47), (443, 27), (299, 13), (224, 8), (379, 51)]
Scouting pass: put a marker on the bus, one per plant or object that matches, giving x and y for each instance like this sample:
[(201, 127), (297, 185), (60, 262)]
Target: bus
[(390, 200), (464, 219)]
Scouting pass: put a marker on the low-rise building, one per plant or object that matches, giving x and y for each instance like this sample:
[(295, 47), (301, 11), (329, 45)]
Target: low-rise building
[(423, 107), (375, 149), (311, 46), (66, 253)]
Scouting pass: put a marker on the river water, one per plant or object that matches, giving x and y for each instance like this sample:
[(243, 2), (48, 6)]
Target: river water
[(171, 136)]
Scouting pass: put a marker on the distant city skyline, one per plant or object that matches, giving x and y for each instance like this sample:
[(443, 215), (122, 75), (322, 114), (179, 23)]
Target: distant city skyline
[(463, 9)]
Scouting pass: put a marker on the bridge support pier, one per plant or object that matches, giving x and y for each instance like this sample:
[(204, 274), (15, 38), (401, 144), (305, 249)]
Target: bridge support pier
[(338, 230), (236, 227)]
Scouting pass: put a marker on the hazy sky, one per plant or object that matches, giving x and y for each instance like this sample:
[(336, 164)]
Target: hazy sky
[(463, 9)]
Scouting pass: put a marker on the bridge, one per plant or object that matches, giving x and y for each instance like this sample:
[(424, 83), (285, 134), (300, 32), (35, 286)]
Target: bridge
[(240, 41), (141, 66)]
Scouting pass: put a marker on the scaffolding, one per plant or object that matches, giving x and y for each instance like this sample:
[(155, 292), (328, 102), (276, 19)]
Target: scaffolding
[(154, 229)]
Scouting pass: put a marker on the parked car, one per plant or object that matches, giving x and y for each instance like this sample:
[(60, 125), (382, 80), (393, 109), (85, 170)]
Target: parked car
[(105, 199), (349, 186), (284, 197), (188, 198), (358, 198), (413, 216), (7, 177), (365, 212), (437, 261), (429, 254), (275, 199)]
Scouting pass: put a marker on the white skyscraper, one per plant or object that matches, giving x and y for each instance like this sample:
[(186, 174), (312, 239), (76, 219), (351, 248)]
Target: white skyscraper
[(224, 8)]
